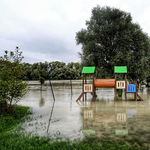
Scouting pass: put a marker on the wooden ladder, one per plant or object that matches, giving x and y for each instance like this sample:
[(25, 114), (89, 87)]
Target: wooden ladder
[(139, 97), (80, 96)]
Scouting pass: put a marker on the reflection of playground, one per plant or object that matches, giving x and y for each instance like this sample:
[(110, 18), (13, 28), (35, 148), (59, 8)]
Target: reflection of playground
[(111, 120)]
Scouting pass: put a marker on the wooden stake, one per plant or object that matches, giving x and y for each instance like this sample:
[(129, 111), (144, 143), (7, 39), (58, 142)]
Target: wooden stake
[(125, 86), (115, 87), (83, 85), (93, 86), (136, 92)]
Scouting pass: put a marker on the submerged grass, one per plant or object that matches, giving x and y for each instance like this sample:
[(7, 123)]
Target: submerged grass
[(18, 140)]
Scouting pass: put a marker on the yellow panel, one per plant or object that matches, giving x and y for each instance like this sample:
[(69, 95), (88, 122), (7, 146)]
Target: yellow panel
[(120, 84), (88, 87)]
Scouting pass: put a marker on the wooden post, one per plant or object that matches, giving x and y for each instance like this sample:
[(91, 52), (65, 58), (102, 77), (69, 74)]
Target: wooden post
[(136, 92), (115, 87), (83, 85), (93, 86), (125, 86)]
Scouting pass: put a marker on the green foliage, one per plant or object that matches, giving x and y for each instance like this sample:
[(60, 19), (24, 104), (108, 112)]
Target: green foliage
[(13, 56), (112, 39), (59, 71), (12, 87), (57, 64), (41, 80), (28, 71), (64, 73), (10, 120)]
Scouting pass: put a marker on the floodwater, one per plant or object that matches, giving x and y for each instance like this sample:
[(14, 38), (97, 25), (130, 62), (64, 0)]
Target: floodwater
[(104, 117)]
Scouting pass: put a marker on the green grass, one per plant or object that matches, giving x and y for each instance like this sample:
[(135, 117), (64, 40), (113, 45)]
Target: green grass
[(9, 120), (27, 142)]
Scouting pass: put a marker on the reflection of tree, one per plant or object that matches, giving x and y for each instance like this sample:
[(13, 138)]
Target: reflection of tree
[(42, 101)]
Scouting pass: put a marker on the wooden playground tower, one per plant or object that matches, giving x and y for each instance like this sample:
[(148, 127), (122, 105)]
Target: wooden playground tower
[(107, 83)]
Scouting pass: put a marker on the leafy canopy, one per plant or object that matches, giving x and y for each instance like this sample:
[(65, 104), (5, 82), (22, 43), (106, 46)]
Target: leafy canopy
[(112, 39)]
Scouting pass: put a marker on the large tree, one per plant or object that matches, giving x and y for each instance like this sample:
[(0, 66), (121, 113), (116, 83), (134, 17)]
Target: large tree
[(112, 39)]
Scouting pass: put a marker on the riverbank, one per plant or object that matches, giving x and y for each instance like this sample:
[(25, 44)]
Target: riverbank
[(25, 142), (12, 138)]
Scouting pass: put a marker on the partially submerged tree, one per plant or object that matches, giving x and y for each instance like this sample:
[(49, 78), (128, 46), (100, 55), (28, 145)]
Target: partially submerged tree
[(12, 87), (42, 81), (112, 39)]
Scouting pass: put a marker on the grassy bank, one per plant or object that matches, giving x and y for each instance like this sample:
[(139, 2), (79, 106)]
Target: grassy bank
[(18, 140), (25, 142), (8, 121)]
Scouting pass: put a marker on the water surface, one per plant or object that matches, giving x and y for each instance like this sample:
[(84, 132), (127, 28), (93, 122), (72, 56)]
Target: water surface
[(104, 117)]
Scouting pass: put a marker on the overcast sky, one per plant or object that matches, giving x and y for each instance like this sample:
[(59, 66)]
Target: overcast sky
[(45, 30)]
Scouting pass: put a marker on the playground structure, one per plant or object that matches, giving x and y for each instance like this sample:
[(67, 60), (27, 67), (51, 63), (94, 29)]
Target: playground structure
[(107, 83)]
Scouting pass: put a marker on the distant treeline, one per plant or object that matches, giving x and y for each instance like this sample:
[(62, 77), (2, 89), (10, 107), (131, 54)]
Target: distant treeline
[(59, 71)]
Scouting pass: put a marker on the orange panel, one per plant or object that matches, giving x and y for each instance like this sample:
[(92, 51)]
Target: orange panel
[(110, 83)]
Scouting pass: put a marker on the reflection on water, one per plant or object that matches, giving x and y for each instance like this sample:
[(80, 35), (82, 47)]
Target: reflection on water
[(102, 118), (50, 116), (42, 101), (112, 120)]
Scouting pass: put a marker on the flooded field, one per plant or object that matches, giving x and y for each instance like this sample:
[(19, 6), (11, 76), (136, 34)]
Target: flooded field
[(104, 117)]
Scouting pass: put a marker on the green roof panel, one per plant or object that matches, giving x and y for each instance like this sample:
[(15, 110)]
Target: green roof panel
[(88, 70), (120, 69)]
